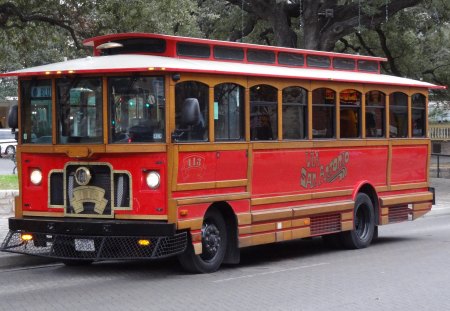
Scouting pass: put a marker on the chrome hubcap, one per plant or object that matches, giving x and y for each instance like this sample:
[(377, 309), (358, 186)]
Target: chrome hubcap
[(211, 241)]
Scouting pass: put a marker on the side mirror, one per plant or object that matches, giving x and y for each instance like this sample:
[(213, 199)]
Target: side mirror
[(13, 118)]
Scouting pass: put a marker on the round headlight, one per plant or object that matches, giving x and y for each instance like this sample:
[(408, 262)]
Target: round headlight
[(153, 180), (36, 177)]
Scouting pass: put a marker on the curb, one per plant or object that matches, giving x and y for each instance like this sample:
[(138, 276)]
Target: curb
[(7, 201)]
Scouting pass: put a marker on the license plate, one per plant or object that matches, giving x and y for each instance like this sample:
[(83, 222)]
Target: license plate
[(84, 245)]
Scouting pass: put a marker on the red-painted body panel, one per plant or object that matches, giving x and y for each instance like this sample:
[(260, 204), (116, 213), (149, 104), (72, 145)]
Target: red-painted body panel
[(145, 200), (409, 164), (287, 172), (210, 166), (194, 167)]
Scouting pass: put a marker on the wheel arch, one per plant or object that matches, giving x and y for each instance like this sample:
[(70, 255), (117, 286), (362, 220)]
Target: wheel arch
[(370, 191), (232, 254)]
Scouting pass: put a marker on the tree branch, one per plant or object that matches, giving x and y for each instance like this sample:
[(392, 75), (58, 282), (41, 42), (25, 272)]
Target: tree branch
[(9, 10), (387, 52)]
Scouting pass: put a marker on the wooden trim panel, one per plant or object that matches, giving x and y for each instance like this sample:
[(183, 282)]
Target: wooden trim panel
[(272, 215), (142, 217), (43, 214), (213, 198), (192, 224), (244, 219), (322, 208), (409, 186), (212, 185), (406, 198), (300, 197), (347, 225)]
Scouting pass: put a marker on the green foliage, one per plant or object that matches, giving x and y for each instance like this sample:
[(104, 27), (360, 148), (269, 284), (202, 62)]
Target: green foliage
[(8, 182), (44, 31)]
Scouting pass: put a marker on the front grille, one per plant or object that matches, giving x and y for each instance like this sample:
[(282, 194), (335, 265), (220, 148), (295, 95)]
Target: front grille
[(56, 188), (122, 197), (95, 247), (106, 190), (325, 224), (93, 198), (398, 213)]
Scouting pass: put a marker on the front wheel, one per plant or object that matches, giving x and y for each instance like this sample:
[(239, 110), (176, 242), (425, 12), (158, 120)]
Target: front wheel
[(214, 245), (363, 224)]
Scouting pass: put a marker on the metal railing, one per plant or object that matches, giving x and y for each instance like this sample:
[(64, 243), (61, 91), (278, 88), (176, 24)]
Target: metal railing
[(438, 162), (439, 131)]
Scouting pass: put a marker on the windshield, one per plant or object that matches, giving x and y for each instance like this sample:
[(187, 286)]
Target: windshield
[(137, 108), (36, 100), (79, 102)]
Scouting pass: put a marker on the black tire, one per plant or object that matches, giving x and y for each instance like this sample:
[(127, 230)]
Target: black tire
[(363, 224), (214, 244)]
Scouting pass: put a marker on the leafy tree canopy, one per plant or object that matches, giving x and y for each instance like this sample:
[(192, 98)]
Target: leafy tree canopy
[(414, 35)]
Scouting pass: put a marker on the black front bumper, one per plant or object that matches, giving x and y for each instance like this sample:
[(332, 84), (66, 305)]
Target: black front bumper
[(96, 240)]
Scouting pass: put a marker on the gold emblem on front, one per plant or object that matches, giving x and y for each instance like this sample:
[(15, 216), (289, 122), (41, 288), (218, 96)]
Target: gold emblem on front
[(91, 194), (83, 176)]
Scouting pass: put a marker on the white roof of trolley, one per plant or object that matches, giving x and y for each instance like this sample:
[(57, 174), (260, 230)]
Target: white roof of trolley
[(145, 63)]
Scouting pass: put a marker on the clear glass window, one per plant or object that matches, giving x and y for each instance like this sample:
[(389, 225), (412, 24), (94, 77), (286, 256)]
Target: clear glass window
[(398, 115), (230, 53), (263, 112), (260, 56), (324, 111), (419, 115), (375, 114), (350, 113), (137, 109), (367, 65), (291, 59), (344, 63), (229, 112), (295, 113), (80, 115), (318, 61), (36, 101), (191, 111)]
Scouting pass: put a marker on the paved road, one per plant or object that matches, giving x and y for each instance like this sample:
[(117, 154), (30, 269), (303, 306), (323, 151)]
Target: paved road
[(6, 166), (407, 269)]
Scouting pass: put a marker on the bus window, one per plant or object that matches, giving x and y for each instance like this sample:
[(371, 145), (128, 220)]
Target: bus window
[(418, 115), (263, 112), (350, 113), (295, 115), (229, 112), (137, 109), (324, 106), (79, 101), (36, 101), (398, 115), (191, 111), (375, 114)]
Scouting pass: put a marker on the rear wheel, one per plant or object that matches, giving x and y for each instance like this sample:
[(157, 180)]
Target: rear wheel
[(214, 245), (363, 224)]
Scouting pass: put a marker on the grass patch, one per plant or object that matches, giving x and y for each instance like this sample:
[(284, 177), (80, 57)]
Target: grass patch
[(8, 182)]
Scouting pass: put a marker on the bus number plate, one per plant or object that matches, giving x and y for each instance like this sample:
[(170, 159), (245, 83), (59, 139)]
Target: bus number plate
[(84, 245)]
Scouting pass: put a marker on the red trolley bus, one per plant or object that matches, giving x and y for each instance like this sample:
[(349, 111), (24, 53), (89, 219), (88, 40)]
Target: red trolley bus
[(160, 145)]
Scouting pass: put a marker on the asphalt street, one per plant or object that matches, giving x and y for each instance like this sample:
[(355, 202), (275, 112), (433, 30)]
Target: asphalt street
[(6, 165), (408, 268)]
